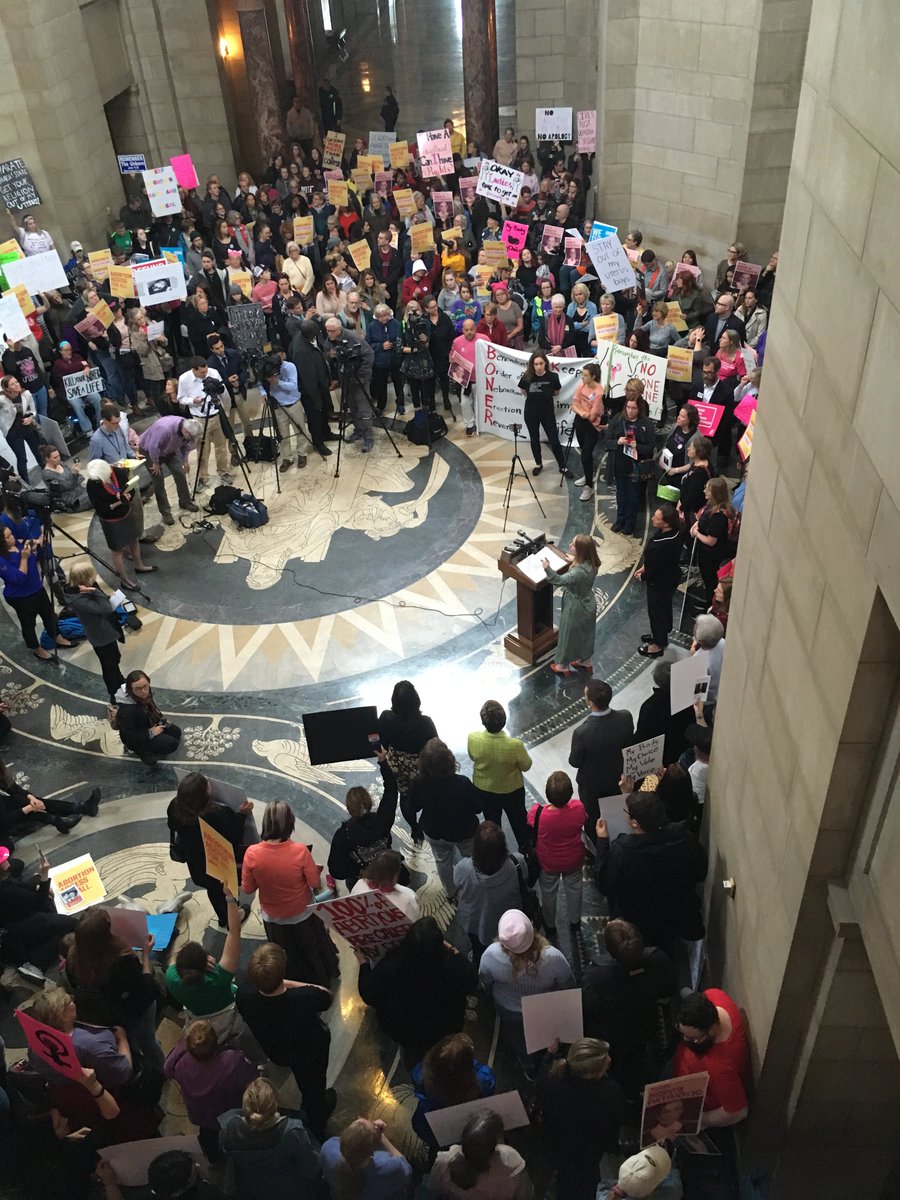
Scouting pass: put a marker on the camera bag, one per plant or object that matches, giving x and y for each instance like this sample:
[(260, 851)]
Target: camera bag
[(417, 431), (259, 448), (223, 495), (248, 512)]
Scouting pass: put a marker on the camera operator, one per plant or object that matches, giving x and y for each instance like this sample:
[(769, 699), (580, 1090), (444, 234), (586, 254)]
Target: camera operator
[(343, 348), (415, 362), (280, 381), (314, 379), (64, 482), (24, 591), (231, 366), (18, 426), (199, 389)]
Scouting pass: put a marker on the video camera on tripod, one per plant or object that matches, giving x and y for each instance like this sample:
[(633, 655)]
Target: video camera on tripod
[(20, 497)]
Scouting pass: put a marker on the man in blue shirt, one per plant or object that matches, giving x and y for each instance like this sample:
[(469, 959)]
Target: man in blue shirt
[(280, 379), (111, 441)]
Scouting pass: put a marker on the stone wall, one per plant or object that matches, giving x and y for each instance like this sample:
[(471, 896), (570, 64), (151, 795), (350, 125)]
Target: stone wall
[(556, 58)]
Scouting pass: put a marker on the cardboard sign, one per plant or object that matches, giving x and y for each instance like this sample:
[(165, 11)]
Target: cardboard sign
[(338, 194), (553, 124), (403, 198), (745, 275), (399, 155), (51, 1046), (551, 239), (710, 416), (644, 758), (25, 302), (304, 231), (361, 253), (77, 884), (587, 131), (159, 282), (37, 272), (675, 316), (12, 320), (380, 143), (131, 1160), (333, 150), (499, 182), (362, 179), (745, 444), (131, 164), (103, 313), (600, 230), (121, 283), (84, 383), (607, 328), (673, 1107), (447, 1124), (128, 923), (185, 171), (679, 364), (435, 153), (688, 681), (572, 247), (243, 279), (17, 190), (219, 853), (551, 1017), (370, 922), (162, 191), (514, 235), (495, 255), (611, 263), (421, 238)]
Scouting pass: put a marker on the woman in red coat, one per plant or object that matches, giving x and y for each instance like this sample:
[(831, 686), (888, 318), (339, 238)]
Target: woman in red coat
[(491, 325)]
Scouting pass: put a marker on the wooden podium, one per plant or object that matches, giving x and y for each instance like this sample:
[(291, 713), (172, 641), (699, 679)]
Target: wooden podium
[(535, 633)]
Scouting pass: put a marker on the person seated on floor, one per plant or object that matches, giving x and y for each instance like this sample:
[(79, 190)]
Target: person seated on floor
[(448, 1074), (366, 833), (30, 926), (382, 875), (364, 1164), (172, 1175), (142, 727), (64, 482), (21, 811), (105, 1051), (272, 1152)]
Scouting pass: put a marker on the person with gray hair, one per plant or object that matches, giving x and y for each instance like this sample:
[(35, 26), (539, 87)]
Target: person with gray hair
[(709, 634), (167, 443), (384, 335), (358, 378), (557, 331)]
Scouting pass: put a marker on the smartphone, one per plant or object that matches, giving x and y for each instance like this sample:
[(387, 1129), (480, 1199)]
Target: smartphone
[(375, 742)]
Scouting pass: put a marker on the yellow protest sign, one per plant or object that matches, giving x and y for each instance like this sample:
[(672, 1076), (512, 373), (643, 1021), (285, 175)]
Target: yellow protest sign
[(303, 230), (370, 163), (243, 280), (399, 155), (421, 238), (403, 198), (606, 328), (219, 857), (361, 253), (11, 247), (495, 254), (103, 313), (121, 282), (676, 316), (76, 885), (333, 151), (170, 256), (337, 193), (680, 364), (483, 273), (362, 179), (101, 261), (745, 444), (20, 291)]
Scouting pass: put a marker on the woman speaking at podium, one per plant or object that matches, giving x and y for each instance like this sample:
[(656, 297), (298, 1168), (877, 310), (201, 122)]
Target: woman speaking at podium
[(579, 608)]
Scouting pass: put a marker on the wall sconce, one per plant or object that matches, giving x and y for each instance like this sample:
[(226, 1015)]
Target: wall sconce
[(224, 48)]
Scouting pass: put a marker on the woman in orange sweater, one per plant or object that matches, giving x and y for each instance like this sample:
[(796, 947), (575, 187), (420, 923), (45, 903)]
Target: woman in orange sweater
[(286, 877), (587, 405)]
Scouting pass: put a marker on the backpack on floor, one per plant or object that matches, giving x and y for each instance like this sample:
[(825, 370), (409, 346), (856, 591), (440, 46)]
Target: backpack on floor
[(260, 448), (221, 498), (248, 512), (417, 430)]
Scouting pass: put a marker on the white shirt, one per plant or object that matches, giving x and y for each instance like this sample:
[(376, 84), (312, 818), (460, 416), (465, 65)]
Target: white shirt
[(192, 395), (403, 897), (698, 772), (708, 389), (35, 243)]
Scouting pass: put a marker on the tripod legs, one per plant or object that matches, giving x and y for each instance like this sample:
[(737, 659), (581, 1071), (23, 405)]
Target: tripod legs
[(507, 496)]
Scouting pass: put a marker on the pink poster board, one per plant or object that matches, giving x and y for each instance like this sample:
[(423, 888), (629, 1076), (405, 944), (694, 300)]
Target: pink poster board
[(185, 171), (51, 1046)]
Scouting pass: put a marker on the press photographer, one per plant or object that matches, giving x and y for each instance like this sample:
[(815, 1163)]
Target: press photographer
[(350, 360), (314, 379), (23, 589), (231, 366), (199, 391), (279, 379)]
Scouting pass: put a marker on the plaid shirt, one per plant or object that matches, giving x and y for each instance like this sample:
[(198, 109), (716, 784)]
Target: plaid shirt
[(499, 761)]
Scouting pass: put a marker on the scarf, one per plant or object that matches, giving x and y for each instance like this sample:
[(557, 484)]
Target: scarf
[(556, 329)]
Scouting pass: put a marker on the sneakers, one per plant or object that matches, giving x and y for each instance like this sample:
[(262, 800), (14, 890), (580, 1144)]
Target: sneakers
[(581, 482), (168, 519), (176, 904), (586, 493), (226, 478), (201, 484)]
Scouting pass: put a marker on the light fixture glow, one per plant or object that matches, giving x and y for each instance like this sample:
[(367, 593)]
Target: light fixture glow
[(224, 48)]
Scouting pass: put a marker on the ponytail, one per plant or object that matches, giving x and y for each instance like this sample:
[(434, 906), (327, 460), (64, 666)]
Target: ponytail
[(480, 1137)]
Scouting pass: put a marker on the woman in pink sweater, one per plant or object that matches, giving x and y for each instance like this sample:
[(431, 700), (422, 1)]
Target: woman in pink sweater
[(286, 877), (560, 849)]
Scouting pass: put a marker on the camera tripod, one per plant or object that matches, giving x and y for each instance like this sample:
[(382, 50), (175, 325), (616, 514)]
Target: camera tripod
[(269, 427), (517, 462), (349, 375), (230, 439)]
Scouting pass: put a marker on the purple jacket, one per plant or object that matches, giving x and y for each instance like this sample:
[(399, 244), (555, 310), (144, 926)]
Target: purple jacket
[(162, 439), (209, 1088)]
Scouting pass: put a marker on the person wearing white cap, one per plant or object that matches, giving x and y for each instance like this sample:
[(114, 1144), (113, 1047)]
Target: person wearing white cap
[(521, 963), (648, 1175)]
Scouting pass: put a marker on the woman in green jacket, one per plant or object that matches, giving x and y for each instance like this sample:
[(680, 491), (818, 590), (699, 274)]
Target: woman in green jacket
[(579, 609)]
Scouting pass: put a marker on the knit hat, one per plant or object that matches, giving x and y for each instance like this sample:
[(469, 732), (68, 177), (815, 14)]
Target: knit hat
[(515, 931), (4, 854), (418, 265), (641, 1175)]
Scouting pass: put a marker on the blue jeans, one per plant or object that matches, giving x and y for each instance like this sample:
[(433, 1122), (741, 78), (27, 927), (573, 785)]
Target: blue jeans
[(41, 400), (112, 377), (628, 499), (77, 405)]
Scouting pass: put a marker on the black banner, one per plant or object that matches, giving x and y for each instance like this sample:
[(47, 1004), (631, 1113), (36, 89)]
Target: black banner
[(17, 188), (248, 326)]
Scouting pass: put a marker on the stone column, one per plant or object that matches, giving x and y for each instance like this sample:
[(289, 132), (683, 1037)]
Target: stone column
[(303, 58), (479, 46), (259, 68)]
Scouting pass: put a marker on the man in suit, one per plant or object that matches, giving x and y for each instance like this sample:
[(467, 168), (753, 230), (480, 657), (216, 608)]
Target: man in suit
[(387, 265), (718, 391), (720, 319), (596, 751), (314, 378), (230, 365)]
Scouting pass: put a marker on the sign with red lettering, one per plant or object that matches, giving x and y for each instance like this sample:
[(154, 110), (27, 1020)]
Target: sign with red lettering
[(370, 922), (51, 1046), (435, 153)]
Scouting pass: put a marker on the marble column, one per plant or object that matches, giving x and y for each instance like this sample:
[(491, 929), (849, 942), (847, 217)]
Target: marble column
[(479, 47), (259, 71), (303, 58)]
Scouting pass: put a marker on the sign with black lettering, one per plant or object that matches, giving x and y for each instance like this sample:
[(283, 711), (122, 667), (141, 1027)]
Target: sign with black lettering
[(248, 326), (17, 188)]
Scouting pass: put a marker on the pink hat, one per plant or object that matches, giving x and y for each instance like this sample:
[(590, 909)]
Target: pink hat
[(4, 854), (515, 931)]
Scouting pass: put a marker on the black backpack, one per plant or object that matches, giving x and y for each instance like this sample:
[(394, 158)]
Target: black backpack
[(221, 498), (417, 431), (258, 447)]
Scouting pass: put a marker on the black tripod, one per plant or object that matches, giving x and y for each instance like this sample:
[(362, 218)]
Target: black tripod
[(349, 374), (269, 427), (517, 461), (562, 469), (214, 409)]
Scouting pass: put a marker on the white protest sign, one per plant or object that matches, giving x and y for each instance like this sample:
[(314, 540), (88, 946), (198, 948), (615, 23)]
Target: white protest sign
[(159, 281), (38, 272), (612, 810), (587, 131), (162, 190), (689, 681), (82, 383), (611, 263), (12, 320), (627, 364), (380, 143), (553, 124), (131, 1160), (128, 923), (447, 1124), (643, 758), (499, 182), (552, 1017), (370, 922), (498, 401), (435, 153), (673, 1107)]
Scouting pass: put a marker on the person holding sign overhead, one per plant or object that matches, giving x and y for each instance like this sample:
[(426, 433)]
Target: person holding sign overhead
[(30, 236)]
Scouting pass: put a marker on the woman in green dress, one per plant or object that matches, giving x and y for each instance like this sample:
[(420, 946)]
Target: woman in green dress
[(579, 609)]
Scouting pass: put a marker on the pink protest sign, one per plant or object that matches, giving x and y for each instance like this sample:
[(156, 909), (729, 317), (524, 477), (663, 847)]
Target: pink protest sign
[(383, 183), (443, 205), (573, 251), (370, 922), (514, 235), (745, 275), (51, 1046), (587, 131), (185, 171), (467, 186), (551, 237), (746, 407), (710, 416)]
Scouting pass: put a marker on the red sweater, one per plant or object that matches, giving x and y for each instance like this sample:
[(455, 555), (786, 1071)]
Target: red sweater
[(559, 844), (497, 332), (728, 1062), (285, 875)]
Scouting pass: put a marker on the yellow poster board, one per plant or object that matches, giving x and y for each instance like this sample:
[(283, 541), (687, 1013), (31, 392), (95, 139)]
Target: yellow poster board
[(403, 198), (337, 193), (495, 255), (421, 238), (304, 231), (676, 316), (244, 281), (20, 291), (121, 282), (399, 155), (103, 313), (361, 253), (76, 885), (101, 261), (219, 857), (680, 364), (607, 328)]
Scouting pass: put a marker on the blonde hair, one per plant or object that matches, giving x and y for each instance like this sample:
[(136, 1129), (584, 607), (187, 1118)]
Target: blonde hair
[(82, 574), (49, 1005), (528, 960), (588, 1058), (260, 1104)]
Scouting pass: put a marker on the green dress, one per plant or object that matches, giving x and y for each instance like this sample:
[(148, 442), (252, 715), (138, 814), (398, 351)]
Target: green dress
[(579, 612)]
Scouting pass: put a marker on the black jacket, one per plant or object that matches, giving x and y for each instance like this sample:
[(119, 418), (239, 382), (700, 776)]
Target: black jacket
[(581, 1116), (544, 341), (597, 745), (442, 336), (188, 841), (662, 558), (312, 370), (732, 322), (449, 808), (645, 439), (233, 365), (393, 270), (101, 625), (655, 718), (357, 841)]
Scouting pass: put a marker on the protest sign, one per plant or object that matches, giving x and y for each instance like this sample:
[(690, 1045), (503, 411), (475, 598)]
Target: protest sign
[(84, 383), (498, 401), (552, 1017), (607, 328), (370, 162), (334, 173), (128, 923), (77, 884), (403, 198), (103, 313), (573, 251), (421, 238), (551, 238), (185, 171), (468, 185), (746, 405), (499, 182), (159, 282), (380, 143), (399, 155), (745, 444), (643, 758), (242, 279), (587, 131), (131, 164), (612, 810), (12, 320), (370, 922), (600, 230), (131, 1160), (495, 255), (361, 253), (337, 193), (679, 364), (626, 364), (461, 370), (447, 1124), (362, 179), (553, 124), (101, 261), (10, 250), (51, 1046), (38, 272), (688, 681), (684, 269), (162, 191), (745, 275), (383, 183), (90, 327), (443, 205), (673, 1107), (248, 326), (675, 316), (514, 235), (611, 263), (17, 190), (25, 301), (333, 150), (162, 926), (304, 231), (435, 153), (219, 853), (121, 282), (710, 416)]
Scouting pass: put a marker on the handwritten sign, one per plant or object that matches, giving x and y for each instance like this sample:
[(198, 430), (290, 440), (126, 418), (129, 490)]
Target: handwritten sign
[(219, 853), (649, 368), (514, 235), (551, 1017), (380, 141), (643, 758), (587, 131), (435, 153), (25, 302), (17, 190), (553, 124), (51, 1046), (403, 198), (611, 263), (121, 282), (421, 238), (248, 326), (710, 416), (606, 329), (361, 253), (131, 164), (679, 364), (333, 151), (77, 884), (185, 171), (101, 261), (337, 193), (82, 384), (38, 272), (370, 922), (499, 182), (399, 155), (162, 191)]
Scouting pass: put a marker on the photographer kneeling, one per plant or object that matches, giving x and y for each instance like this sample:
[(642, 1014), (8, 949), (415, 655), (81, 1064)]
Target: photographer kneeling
[(280, 381), (351, 358)]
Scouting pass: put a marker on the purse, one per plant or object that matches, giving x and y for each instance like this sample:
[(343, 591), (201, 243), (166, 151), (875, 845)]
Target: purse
[(531, 906)]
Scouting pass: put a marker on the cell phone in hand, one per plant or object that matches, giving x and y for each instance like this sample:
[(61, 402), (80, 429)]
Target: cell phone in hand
[(375, 742)]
